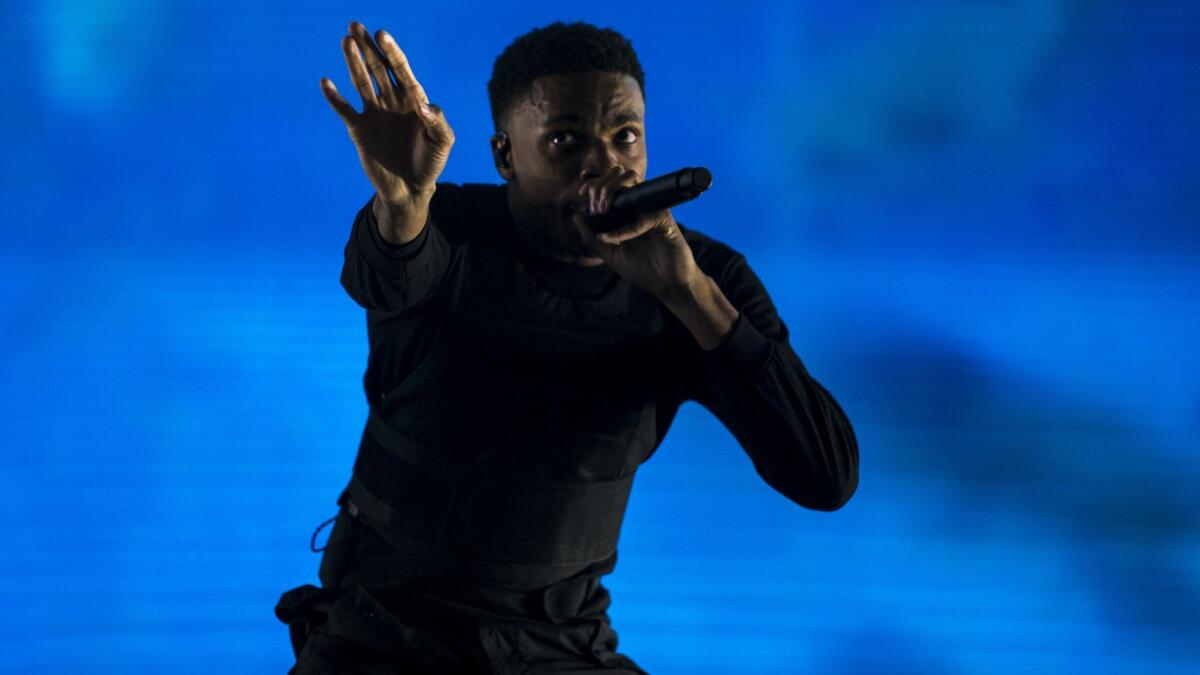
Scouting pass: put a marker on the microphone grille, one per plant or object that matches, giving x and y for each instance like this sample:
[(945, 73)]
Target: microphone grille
[(696, 179)]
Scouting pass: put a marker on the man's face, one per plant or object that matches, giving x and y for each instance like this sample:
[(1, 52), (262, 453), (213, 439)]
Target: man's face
[(569, 129)]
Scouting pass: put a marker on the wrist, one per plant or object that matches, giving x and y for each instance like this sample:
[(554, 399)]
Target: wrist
[(703, 309), (688, 292), (400, 223)]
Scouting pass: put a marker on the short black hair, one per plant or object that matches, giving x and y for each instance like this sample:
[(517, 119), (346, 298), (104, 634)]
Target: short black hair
[(558, 49)]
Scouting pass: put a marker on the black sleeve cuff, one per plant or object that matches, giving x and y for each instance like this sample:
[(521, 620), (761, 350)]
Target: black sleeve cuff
[(402, 261), (744, 351)]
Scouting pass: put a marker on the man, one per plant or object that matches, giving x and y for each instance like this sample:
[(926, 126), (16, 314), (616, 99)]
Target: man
[(522, 367)]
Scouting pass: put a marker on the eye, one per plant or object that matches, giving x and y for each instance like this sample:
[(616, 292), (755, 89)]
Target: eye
[(562, 138), (630, 135)]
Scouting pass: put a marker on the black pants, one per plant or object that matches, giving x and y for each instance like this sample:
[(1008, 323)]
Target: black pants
[(428, 626)]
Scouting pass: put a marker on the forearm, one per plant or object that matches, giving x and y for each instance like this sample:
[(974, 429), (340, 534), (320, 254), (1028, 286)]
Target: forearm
[(798, 437)]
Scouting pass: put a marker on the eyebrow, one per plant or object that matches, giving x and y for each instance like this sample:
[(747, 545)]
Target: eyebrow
[(620, 118)]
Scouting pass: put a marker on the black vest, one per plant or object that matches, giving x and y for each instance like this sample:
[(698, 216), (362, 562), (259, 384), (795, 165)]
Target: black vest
[(516, 436)]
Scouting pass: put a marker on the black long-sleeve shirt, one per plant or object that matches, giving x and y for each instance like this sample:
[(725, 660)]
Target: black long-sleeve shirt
[(545, 386)]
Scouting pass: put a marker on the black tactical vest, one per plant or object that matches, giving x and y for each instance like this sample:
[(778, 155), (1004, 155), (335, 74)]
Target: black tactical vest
[(516, 436)]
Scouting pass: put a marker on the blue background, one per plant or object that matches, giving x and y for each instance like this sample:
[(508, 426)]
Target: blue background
[(978, 219)]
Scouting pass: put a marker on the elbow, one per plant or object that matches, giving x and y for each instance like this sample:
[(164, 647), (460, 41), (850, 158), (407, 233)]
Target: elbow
[(816, 471), (842, 485), (835, 496), (829, 495), (847, 484), (817, 490)]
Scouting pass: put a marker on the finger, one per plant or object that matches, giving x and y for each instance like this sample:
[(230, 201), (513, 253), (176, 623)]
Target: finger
[(409, 92), (622, 179), (436, 126), (580, 224), (358, 73), (374, 59), (339, 104), (593, 186)]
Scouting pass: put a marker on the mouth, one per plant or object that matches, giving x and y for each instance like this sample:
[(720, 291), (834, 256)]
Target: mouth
[(572, 207)]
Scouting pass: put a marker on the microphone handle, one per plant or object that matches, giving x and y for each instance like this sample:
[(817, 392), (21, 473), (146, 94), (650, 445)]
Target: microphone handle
[(652, 195)]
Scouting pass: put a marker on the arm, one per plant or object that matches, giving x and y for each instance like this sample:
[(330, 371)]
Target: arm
[(387, 277), (748, 376), (403, 142), (745, 372)]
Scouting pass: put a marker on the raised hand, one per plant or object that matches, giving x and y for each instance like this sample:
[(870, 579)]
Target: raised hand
[(403, 140)]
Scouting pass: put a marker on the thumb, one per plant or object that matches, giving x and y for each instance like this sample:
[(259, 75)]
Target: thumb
[(343, 109)]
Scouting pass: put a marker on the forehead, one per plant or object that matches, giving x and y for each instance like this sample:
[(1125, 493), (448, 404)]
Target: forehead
[(582, 98)]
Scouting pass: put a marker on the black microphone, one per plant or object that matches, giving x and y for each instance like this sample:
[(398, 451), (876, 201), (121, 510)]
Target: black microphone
[(652, 195)]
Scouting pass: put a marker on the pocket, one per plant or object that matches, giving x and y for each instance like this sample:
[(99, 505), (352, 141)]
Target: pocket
[(303, 608), (358, 617)]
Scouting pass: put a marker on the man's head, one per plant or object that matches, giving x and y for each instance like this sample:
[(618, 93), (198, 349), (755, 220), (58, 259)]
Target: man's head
[(568, 103)]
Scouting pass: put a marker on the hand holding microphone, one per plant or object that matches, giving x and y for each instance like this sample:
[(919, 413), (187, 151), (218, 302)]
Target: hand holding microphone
[(635, 233), (650, 196)]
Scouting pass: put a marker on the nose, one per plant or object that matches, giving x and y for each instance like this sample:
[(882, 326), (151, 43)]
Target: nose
[(598, 159)]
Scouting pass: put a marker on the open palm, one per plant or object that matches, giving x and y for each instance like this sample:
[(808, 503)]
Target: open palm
[(403, 141)]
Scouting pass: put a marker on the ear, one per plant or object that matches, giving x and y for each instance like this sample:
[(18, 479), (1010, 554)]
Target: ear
[(502, 155)]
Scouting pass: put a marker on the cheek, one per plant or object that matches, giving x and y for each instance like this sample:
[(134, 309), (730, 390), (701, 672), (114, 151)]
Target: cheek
[(545, 168), (637, 159)]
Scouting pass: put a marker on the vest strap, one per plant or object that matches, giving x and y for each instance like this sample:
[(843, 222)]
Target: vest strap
[(409, 450)]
